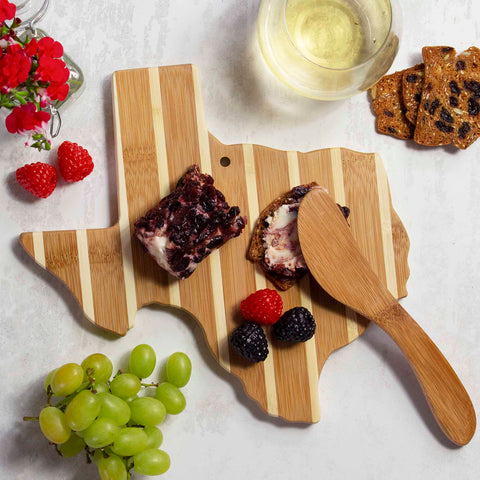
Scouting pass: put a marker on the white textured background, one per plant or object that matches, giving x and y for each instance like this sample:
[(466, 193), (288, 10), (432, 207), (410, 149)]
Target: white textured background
[(375, 424)]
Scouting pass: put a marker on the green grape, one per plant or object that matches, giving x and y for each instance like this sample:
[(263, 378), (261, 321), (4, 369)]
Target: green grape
[(48, 379), (66, 379), (129, 400), (130, 441), (142, 361), (155, 436), (97, 455), (100, 365), (73, 446), (102, 453), (101, 388), (147, 411), (114, 407), (125, 385), (82, 410), (179, 369), (151, 462), (53, 425), (108, 451), (101, 433), (112, 468), (171, 397)]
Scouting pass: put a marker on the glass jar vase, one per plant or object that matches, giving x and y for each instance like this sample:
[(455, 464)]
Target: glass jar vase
[(33, 11)]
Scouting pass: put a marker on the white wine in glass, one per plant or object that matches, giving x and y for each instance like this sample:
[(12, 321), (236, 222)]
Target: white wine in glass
[(329, 49)]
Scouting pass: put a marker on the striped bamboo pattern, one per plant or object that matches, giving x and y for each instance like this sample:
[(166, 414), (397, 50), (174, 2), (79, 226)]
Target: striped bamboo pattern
[(160, 130)]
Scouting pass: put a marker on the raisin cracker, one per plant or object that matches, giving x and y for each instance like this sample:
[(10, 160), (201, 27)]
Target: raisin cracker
[(412, 86), (450, 105), (387, 102)]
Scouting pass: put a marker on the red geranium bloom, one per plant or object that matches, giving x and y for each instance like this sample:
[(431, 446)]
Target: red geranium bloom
[(14, 68), (26, 120), (49, 47), (57, 91), (7, 10), (31, 48), (51, 70)]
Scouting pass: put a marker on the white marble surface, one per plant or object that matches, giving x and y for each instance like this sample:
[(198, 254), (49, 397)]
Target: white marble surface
[(375, 423)]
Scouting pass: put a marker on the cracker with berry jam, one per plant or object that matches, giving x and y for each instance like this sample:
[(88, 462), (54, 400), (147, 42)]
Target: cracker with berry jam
[(388, 106), (450, 106), (412, 86)]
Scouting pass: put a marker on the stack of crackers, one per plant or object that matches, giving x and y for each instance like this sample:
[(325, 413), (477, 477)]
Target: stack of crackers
[(436, 102)]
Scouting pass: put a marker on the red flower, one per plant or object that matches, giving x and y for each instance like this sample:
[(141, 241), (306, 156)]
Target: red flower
[(49, 47), (7, 10), (57, 91), (14, 68), (31, 48), (26, 120), (51, 70)]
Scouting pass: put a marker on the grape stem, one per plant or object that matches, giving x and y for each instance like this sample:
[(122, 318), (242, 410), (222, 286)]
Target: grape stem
[(66, 400), (30, 419), (89, 454), (49, 394), (149, 384)]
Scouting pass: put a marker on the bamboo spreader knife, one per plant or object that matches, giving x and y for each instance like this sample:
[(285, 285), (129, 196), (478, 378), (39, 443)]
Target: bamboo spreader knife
[(335, 261)]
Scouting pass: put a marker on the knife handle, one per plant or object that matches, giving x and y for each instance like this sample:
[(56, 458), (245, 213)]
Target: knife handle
[(445, 393)]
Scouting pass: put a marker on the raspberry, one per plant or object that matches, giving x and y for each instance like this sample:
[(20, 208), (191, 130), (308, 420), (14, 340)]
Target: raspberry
[(40, 179), (249, 341), (295, 325), (264, 307), (74, 162)]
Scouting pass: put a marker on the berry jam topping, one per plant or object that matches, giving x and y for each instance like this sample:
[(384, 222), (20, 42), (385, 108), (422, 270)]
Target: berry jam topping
[(187, 225)]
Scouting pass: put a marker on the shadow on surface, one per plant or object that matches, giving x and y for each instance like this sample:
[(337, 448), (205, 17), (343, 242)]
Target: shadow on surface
[(248, 82), (27, 440), (59, 286), (110, 149), (377, 341)]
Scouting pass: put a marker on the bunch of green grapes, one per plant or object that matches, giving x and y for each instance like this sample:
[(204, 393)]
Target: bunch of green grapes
[(107, 418)]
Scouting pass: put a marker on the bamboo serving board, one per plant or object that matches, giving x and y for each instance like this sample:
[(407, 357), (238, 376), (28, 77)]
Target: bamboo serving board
[(160, 130)]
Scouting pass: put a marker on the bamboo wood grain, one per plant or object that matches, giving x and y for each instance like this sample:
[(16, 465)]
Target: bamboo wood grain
[(160, 130), (336, 262)]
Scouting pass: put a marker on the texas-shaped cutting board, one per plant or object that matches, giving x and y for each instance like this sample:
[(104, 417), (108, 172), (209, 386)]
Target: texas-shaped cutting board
[(160, 130)]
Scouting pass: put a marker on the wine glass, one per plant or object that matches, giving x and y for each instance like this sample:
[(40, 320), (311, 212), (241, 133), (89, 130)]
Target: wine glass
[(329, 49)]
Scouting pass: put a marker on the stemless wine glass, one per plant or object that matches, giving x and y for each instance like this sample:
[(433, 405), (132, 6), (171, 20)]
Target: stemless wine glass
[(329, 49)]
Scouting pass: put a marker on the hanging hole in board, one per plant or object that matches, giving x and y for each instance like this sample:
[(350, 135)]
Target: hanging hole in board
[(225, 161)]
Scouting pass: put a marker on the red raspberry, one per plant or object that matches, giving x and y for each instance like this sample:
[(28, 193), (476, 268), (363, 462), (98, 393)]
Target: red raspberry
[(40, 179), (74, 162), (264, 307)]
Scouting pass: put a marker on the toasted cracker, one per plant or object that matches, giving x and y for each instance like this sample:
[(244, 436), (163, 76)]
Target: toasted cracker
[(256, 250), (450, 105), (388, 105), (412, 86)]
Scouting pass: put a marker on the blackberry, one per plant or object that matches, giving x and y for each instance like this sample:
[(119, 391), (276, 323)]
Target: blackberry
[(295, 325), (249, 341)]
